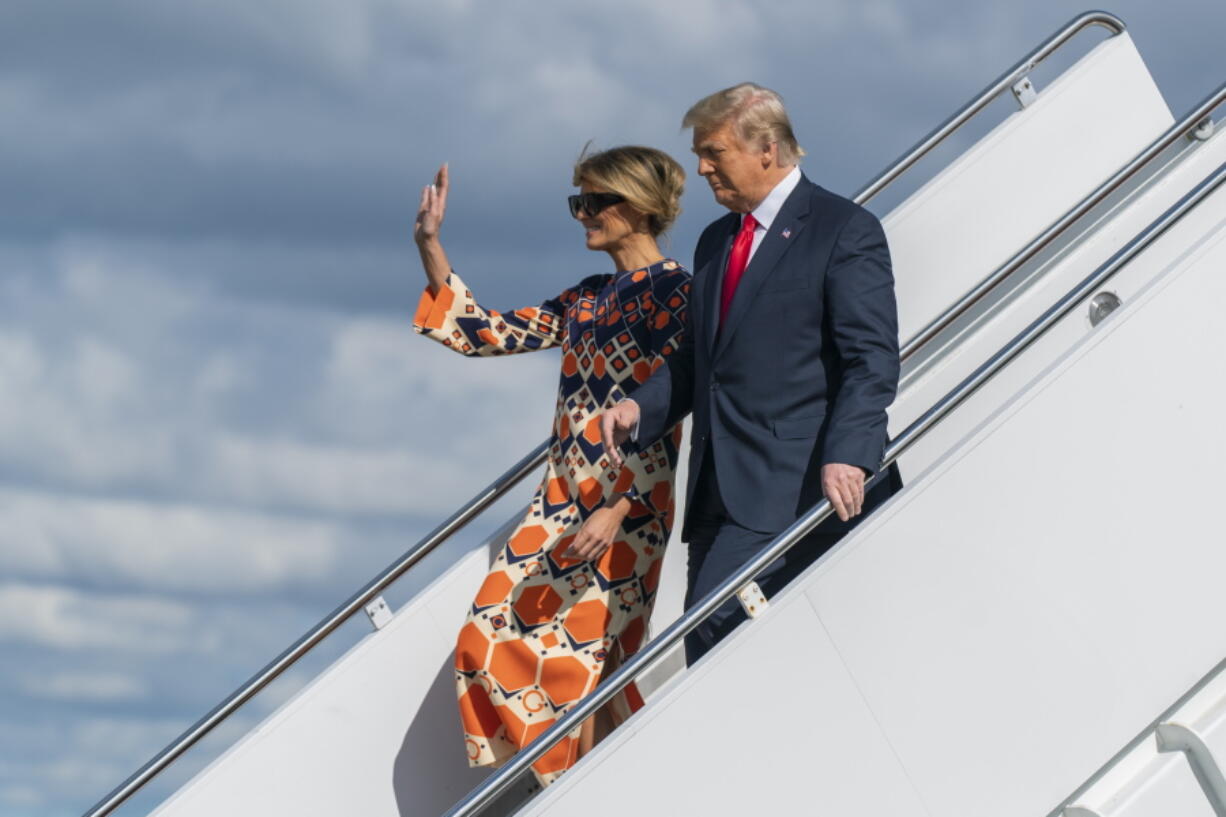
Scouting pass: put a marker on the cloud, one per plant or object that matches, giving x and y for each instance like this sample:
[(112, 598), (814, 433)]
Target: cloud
[(224, 118), (278, 408), (84, 686), (169, 547), (278, 125), (60, 409), (66, 619), (68, 766), (20, 795)]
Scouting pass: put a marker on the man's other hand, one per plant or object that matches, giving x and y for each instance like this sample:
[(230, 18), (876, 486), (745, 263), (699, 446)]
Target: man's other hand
[(843, 485), (616, 424)]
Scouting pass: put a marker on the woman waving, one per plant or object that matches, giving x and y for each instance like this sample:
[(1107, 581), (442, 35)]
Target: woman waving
[(570, 593)]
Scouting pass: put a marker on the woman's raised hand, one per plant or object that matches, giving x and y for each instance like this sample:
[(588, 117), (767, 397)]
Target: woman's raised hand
[(432, 208), (429, 220)]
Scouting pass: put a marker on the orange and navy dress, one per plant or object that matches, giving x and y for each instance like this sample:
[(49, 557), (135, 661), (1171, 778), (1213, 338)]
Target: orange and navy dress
[(542, 626)]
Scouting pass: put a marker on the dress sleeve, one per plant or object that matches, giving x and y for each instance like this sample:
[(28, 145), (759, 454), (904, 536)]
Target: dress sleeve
[(646, 475), (454, 318)]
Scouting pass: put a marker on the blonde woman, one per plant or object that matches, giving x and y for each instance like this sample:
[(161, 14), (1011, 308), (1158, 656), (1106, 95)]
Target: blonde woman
[(570, 594)]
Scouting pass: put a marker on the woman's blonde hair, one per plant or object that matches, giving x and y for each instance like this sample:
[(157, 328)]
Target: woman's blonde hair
[(756, 114), (649, 179)]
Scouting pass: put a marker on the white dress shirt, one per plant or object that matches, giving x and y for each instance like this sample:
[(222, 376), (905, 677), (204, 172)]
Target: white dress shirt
[(766, 212)]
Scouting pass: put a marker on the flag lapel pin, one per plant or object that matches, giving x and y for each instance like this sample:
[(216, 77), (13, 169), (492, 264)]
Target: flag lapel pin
[(787, 232)]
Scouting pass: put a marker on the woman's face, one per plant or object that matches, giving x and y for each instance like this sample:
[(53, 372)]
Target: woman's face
[(611, 226)]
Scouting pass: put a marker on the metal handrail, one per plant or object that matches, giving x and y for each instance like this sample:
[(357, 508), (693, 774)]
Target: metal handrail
[(1140, 738), (960, 307), (321, 630), (516, 474), (494, 785), (1003, 83), (968, 111)]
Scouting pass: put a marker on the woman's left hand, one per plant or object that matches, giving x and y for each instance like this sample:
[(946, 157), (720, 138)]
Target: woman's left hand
[(597, 534)]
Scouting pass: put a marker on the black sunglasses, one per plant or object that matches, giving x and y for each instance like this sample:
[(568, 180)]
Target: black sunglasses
[(592, 203)]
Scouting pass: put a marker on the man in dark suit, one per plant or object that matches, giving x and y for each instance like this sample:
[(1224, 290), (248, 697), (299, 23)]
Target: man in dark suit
[(790, 360)]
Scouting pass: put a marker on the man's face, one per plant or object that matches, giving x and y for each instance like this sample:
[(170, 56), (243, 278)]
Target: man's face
[(738, 173)]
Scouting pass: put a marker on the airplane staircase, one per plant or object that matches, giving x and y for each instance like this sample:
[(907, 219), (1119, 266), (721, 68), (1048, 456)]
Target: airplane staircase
[(1028, 628)]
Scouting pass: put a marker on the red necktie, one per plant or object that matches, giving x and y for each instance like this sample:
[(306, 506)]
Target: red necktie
[(738, 259)]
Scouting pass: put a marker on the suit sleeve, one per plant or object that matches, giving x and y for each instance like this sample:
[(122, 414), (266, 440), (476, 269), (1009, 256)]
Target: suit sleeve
[(646, 474), (862, 317), (454, 318), (668, 395)]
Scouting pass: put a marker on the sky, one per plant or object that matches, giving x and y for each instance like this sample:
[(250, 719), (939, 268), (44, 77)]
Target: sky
[(216, 422)]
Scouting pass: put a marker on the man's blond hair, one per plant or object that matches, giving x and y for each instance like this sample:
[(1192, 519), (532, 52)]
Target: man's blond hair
[(756, 114)]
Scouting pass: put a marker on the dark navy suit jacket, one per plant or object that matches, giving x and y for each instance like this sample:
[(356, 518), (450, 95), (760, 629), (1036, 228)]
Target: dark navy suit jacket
[(802, 371)]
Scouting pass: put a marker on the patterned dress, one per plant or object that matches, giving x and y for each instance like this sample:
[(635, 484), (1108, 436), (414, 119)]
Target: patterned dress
[(543, 627)]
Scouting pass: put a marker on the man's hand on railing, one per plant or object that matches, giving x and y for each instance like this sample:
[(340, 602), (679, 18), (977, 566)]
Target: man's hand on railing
[(616, 426), (843, 485)]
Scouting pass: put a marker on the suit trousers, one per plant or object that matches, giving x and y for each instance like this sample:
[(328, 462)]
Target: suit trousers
[(718, 546)]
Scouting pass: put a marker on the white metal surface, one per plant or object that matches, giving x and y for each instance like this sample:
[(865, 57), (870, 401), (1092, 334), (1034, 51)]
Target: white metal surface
[(973, 215), (1148, 782), (1000, 620), (1002, 316), (777, 729), (1159, 786), (1174, 736)]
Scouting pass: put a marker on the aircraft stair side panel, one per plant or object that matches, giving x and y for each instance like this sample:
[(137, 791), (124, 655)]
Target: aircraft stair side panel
[(1020, 178)]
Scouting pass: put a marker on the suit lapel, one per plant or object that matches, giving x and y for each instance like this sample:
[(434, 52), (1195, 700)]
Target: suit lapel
[(713, 284), (792, 218)]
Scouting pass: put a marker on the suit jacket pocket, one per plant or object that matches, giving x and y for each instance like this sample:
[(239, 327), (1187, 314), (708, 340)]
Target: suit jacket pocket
[(797, 428)]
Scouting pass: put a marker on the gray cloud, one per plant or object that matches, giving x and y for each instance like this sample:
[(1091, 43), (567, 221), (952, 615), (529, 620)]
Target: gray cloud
[(271, 127), (131, 378)]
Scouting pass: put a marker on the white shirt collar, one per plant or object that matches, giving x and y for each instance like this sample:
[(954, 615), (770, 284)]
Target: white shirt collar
[(765, 212)]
